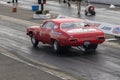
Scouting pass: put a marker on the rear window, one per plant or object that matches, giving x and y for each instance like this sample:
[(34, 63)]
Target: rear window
[(72, 25)]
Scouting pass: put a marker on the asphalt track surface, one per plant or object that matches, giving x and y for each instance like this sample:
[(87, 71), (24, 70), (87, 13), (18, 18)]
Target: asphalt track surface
[(104, 64)]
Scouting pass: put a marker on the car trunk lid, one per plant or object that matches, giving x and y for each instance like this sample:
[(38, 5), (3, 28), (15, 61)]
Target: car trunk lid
[(83, 32)]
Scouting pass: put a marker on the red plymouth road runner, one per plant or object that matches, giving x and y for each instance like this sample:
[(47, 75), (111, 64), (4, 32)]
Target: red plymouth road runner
[(66, 32)]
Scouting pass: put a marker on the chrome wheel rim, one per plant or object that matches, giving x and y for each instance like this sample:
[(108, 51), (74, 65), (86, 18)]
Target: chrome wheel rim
[(33, 39), (55, 46)]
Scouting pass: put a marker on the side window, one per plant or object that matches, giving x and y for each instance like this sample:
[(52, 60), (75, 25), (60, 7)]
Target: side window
[(54, 26), (50, 25), (44, 25)]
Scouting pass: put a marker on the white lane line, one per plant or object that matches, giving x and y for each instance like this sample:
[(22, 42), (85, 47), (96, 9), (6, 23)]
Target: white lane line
[(45, 69)]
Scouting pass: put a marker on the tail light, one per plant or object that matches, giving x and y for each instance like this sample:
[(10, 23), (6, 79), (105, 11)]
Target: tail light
[(100, 38), (73, 40)]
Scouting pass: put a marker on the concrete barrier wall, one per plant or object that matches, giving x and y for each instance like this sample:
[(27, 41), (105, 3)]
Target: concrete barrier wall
[(115, 2)]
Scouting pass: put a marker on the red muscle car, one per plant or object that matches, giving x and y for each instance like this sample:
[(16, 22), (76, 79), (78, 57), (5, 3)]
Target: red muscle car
[(64, 33)]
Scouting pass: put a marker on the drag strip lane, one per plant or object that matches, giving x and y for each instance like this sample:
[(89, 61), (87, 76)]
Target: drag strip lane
[(102, 65)]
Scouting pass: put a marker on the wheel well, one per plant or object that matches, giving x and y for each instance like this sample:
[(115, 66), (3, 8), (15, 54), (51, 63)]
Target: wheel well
[(52, 40), (30, 33)]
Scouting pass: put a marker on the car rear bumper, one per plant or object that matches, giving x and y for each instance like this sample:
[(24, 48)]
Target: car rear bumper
[(80, 42)]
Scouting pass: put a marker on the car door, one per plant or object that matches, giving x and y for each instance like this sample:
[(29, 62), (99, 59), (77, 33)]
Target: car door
[(46, 32)]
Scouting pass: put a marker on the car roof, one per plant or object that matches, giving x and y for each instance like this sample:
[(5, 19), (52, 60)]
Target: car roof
[(64, 20)]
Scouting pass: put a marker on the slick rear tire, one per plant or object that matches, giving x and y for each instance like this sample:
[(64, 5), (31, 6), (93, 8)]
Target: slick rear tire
[(34, 41), (90, 48), (56, 47)]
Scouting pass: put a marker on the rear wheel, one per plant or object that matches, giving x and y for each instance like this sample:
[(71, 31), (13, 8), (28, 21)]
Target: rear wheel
[(56, 47), (34, 41), (90, 47)]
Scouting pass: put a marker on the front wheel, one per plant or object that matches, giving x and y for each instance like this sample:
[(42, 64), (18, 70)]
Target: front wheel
[(34, 41)]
